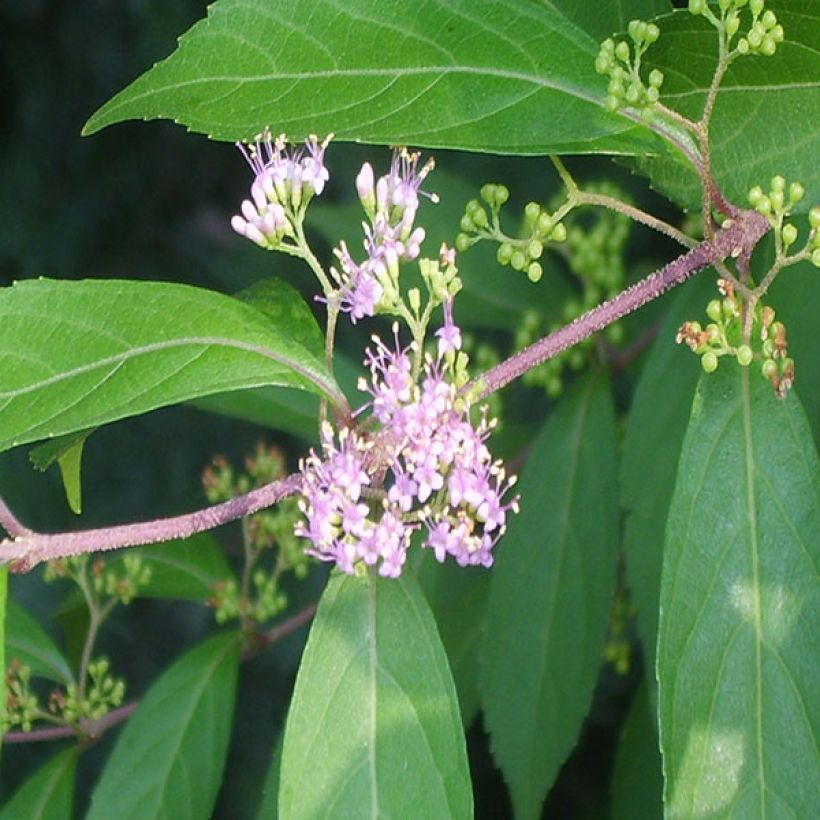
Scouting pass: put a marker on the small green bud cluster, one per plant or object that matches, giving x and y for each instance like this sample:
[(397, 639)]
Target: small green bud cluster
[(121, 578), (595, 247), (622, 64), (764, 34), (723, 336), (105, 692), (263, 531), (521, 254), (779, 203), (618, 647), (22, 706)]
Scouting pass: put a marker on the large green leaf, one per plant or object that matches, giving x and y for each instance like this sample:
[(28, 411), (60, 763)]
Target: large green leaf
[(654, 434), (114, 349), (766, 112), (48, 794), (373, 728), (740, 603), (168, 760), (550, 595), (513, 76), (29, 643)]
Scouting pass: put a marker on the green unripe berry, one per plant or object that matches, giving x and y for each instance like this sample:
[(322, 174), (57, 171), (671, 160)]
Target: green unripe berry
[(535, 272), (502, 194), (480, 218), (755, 38), (756, 6), (532, 211), (487, 193), (709, 361), (763, 206), (652, 33), (544, 224), (768, 348), (796, 192), (622, 51), (535, 249), (633, 94), (462, 242), (778, 183), (769, 19), (652, 95), (713, 333), (723, 5), (466, 223), (755, 195), (634, 29), (789, 235), (744, 355), (743, 45), (616, 87), (602, 64), (815, 258), (777, 34), (769, 369), (655, 78), (611, 103), (732, 24), (814, 217), (768, 46), (714, 310), (697, 6), (559, 233), (518, 260), (777, 200), (504, 253)]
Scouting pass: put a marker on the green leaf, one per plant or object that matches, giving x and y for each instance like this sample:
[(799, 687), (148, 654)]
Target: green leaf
[(116, 348), (49, 793), (67, 451), (458, 597), (550, 595), (27, 641), (765, 110), (737, 653), (373, 728), (168, 760), (269, 810), (282, 408), (180, 570), (637, 782), (654, 433), (455, 76)]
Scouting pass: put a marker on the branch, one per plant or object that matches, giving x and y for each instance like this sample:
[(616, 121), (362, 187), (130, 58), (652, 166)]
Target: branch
[(27, 549), (736, 238)]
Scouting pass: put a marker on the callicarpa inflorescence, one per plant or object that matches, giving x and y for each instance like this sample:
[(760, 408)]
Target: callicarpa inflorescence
[(419, 461)]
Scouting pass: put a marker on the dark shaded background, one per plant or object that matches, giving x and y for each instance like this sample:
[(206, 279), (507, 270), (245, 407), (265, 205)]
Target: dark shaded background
[(149, 201)]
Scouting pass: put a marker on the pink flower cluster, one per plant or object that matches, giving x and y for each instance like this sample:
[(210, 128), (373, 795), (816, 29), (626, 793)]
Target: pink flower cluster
[(391, 204), (285, 179), (427, 466)]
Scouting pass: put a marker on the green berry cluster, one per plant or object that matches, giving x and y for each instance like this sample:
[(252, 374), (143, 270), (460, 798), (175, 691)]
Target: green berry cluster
[(105, 692), (622, 64), (764, 34), (521, 253), (121, 580), (779, 203), (260, 597), (594, 251), (723, 336), (22, 706), (618, 647), (69, 707)]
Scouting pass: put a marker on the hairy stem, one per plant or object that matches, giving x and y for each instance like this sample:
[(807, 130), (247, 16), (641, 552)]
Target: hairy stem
[(28, 549), (732, 240)]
